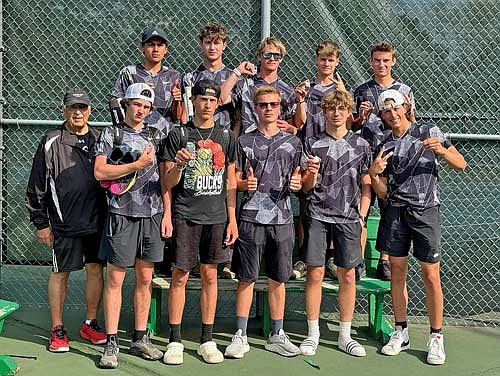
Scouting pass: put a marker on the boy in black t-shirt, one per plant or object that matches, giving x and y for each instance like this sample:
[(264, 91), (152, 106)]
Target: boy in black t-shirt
[(200, 181)]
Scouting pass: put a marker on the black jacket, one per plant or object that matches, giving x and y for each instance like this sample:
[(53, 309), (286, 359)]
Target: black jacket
[(62, 191)]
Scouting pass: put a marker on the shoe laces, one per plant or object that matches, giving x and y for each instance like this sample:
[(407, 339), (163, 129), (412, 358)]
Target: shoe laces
[(59, 332), (396, 336), (434, 345), (238, 338), (110, 348), (94, 325)]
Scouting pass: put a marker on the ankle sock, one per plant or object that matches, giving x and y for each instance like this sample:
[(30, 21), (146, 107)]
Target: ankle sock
[(313, 329), (241, 324), (276, 325), (175, 333), (138, 334), (206, 332)]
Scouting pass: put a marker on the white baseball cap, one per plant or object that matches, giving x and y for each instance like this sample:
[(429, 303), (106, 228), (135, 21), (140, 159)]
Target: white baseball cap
[(395, 95), (140, 91)]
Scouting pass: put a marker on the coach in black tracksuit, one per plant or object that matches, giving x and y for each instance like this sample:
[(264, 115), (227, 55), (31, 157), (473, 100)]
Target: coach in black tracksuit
[(64, 200)]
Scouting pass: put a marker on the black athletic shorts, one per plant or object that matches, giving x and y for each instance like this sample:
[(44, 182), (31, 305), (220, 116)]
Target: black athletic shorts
[(346, 238), (274, 242), (128, 238), (70, 254), (193, 239), (400, 226)]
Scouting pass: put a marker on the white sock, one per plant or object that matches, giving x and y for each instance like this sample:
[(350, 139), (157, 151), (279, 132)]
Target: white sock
[(346, 343), (88, 322), (313, 329), (310, 344), (344, 331)]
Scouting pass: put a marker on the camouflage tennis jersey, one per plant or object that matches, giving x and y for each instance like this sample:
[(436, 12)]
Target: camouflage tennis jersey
[(315, 121), (412, 171), (160, 82), (374, 130), (200, 195), (144, 198), (336, 196), (224, 115), (243, 98), (273, 160)]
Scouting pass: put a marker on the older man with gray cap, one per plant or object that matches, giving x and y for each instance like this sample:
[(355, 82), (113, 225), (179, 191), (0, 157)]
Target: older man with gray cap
[(63, 199), (132, 229)]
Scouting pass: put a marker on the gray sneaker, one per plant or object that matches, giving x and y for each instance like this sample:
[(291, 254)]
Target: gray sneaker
[(238, 346), (280, 344), (109, 358), (145, 349)]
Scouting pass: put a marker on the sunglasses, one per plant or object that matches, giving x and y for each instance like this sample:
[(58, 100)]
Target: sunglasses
[(275, 55), (265, 104)]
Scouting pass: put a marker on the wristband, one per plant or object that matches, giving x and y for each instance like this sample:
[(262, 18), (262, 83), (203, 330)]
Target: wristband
[(180, 166), (237, 72), (363, 219)]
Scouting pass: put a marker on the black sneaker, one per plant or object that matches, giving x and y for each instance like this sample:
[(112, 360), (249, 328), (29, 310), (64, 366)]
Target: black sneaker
[(360, 271), (331, 269), (145, 349), (383, 270), (299, 270)]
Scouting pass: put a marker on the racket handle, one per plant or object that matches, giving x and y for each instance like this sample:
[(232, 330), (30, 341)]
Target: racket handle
[(188, 105), (116, 111)]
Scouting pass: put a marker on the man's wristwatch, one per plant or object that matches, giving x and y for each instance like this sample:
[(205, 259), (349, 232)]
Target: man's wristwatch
[(363, 219)]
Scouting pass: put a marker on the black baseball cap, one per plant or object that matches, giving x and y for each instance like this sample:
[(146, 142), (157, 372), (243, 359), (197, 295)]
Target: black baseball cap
[(206, 87), (151, 32), (74, 96)]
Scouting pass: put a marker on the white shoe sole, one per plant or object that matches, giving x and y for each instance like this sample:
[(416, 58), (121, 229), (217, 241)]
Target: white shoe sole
[(238, 355), (391, 352)]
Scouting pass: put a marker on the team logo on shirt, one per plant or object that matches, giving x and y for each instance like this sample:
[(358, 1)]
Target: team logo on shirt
[(204, 174)]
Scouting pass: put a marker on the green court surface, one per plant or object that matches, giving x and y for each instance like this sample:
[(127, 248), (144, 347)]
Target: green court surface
[(470, 351)]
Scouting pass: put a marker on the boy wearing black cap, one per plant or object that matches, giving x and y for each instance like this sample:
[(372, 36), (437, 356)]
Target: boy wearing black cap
[(164, 81), (200, 173), (63, 198), (132, 229)]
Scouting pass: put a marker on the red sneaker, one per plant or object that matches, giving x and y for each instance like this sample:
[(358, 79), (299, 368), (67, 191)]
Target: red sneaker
[(93, 333), (59, 341)]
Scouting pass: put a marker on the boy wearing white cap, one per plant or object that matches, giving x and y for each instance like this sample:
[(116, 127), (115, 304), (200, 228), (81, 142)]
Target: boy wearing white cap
[(404, 173), (132, 229)]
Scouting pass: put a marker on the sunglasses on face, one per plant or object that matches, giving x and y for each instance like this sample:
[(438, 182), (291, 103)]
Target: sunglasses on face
[(265, 104), (275, 55)]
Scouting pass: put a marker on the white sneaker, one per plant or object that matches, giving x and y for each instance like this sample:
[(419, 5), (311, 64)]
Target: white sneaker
[(174, 354), (308, 346), (435, 345), (238, 347), (398, 342), (210, 353)]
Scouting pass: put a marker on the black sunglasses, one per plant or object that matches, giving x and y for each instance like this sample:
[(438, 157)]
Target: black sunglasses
[(275, 55), (265, 104)]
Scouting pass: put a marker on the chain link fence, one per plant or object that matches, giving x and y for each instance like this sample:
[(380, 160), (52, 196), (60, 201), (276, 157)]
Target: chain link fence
[(447, 51)]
